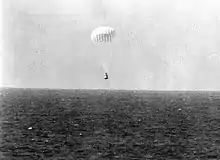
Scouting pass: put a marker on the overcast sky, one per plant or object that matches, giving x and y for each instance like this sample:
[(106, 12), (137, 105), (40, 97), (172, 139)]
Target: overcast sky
[(172, 44)]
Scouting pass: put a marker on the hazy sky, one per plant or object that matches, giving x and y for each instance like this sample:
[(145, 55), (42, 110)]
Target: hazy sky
[(172, 44)]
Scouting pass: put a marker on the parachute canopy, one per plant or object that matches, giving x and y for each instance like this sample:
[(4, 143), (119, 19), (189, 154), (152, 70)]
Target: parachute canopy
[(102, 34)]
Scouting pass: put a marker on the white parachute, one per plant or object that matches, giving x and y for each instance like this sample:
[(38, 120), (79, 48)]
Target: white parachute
[(103, 35)]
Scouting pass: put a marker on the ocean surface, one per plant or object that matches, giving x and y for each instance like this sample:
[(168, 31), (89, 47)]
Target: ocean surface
[(54, 124)]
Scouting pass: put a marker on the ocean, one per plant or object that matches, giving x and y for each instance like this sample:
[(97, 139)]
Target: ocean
[(64, 124)]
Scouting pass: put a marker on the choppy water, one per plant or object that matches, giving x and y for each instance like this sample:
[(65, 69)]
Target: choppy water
[(99, 124)]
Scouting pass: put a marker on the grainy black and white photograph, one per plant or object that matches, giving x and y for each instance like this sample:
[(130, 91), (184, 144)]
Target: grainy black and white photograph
[(110, 80)]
